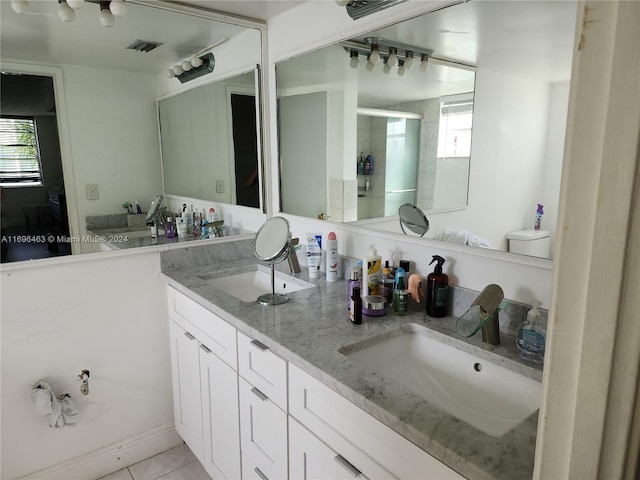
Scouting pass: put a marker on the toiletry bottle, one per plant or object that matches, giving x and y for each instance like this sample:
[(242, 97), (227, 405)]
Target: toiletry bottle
[(532, 336), (138, 209), (354, 281), (372, 263), (369, 160), (386, 285), (361, 164), (355, 309), (213, 215), (437, 290), (182, 227), (367, 165), (539, 213), (332, 258), (170, 233), (400, 294)]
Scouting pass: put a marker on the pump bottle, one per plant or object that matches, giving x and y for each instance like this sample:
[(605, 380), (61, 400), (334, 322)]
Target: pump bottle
[(437, 290)]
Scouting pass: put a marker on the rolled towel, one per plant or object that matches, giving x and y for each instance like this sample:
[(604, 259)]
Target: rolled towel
[(62, 411)]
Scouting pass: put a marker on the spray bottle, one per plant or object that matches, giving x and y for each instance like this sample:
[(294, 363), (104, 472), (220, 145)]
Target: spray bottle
[(437, 290)]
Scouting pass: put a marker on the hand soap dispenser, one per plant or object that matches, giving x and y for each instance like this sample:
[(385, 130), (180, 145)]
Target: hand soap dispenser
[(532, 336)]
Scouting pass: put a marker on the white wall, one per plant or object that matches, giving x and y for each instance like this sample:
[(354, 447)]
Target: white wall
[(102, 312)]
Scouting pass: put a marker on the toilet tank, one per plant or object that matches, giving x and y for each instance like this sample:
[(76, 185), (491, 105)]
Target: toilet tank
[(530, 242)]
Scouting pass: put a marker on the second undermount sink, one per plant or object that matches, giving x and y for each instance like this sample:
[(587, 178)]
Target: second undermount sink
[(249, 283), (487, 396)]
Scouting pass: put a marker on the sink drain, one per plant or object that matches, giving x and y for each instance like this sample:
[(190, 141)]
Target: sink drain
[(477, 367)]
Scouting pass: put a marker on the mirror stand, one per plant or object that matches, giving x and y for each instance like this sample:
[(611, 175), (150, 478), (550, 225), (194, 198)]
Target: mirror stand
[(273, 298)]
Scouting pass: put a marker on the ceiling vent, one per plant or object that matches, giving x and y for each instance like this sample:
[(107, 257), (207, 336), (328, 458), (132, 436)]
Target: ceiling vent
[(143, 46)]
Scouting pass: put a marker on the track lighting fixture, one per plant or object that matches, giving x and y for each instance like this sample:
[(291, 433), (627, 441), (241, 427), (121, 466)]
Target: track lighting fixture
[(393, 53), (109, 9), (355, 61)]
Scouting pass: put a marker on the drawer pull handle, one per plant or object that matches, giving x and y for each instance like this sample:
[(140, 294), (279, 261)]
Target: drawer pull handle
[(259, 345), (259, 394), (204, 347), (189, 336), (260, 474), (347, 465)]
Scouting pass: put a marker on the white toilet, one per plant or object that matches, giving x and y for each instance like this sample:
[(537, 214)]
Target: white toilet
[(530, 242)]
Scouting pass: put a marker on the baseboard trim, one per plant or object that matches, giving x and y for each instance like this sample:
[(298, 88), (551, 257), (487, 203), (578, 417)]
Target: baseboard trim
[(114, 457)]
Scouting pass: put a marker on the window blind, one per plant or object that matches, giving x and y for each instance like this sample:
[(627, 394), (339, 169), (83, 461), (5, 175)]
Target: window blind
[(19, 156)]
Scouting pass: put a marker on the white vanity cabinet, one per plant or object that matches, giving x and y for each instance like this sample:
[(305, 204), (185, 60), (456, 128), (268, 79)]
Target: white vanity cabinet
[(205, 385), (360, 442), (263, 411)]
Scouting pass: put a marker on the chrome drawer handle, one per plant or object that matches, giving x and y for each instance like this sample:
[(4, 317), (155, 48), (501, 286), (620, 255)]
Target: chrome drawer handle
[(347, 465), (260, 474), (204, 347), (189, 336), (259, 345), (259, 394)]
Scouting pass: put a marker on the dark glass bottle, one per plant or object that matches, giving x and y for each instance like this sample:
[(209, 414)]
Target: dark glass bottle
[(355, 309), (437, 290)]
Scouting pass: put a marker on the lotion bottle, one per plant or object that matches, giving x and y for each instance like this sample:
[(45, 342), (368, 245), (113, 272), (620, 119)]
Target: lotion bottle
[(437, 290), (371, 271), (331, 269)]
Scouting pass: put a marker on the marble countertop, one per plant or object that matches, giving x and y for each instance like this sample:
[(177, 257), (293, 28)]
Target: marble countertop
[(309, 330)]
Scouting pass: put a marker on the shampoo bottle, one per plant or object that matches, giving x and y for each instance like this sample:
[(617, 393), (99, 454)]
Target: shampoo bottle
[(400, 294), (437, 290), (371, 264), (532, 336), (332, 258)]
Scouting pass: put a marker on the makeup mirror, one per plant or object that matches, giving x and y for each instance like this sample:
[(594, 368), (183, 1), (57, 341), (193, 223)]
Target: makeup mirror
[(272, 245), (413, 218)]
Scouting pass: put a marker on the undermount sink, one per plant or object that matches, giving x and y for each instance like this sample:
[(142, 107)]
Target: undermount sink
[(249, 283), (489, 397)]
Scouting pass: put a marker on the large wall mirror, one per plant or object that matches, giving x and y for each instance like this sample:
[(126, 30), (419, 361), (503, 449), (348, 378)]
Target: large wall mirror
[(104, 84), (476, 141)]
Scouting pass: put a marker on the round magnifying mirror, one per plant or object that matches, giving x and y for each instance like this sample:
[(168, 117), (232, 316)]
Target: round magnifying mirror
[(413, 218), (272, 240), (153, 209)]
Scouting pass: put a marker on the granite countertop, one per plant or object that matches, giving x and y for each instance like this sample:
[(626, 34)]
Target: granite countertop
[(309, 330)]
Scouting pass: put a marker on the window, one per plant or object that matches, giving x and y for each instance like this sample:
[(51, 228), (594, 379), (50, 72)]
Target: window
[(456, 116), (19, 153)]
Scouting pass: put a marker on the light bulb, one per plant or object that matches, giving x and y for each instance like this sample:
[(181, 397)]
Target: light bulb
[(118, 8), (408, 62), (370, 66), (186, 65), (169, 73), (20, 6), (375, 54), (393, 58), (106, 18), (343, 3), (424, 64), (401, 69), (177, 70), (387, 68), (75, 4), (355, 61), (65, 12), (196, 62)]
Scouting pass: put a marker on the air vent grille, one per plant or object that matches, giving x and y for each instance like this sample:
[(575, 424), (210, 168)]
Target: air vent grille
[(144, 46)]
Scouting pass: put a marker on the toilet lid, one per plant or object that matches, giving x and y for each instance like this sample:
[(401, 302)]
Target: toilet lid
[(528, 235)]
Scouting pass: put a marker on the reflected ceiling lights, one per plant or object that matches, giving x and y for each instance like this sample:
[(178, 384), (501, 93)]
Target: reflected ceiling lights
[(361, 8), (391, 52), (109, 9), (192, 68)]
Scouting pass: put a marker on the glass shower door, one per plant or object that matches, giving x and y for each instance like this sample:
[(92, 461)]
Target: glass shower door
[(401, 171)]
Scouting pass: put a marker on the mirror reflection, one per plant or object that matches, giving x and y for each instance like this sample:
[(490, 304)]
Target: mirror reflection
[(504, 65)]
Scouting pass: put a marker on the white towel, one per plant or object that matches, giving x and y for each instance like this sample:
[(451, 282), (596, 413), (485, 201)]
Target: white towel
[(464, 237), (62, 411)]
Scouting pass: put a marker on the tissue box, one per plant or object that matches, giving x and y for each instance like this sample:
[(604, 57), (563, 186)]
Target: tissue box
[(136, 219)]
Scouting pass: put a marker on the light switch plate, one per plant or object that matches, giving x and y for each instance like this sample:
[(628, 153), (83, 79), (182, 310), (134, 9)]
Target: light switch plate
[(219, 186), (92, 191)]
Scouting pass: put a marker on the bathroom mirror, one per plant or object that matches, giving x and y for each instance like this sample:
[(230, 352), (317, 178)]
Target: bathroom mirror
[(107, 82), (515, 57), (272, 240), (413, 218)]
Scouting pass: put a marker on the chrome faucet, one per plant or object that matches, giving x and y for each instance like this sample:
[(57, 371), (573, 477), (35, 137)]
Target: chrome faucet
[(483, 314), (294, 264), (212, 229)]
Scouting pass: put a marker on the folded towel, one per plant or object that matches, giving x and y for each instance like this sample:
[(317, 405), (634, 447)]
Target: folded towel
[(62, 411)]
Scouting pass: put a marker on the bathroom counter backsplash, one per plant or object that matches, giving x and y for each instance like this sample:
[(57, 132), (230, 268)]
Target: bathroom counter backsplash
[(309, 330)]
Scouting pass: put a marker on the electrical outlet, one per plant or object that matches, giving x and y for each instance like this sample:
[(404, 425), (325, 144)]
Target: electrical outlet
[(219, 186), (92, 191)]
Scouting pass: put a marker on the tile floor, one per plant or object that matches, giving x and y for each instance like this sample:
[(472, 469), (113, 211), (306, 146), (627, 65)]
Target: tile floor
[(178, 463)]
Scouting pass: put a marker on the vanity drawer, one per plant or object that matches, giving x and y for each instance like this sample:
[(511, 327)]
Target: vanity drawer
[(357, 435), (212, 331), (263, 369)]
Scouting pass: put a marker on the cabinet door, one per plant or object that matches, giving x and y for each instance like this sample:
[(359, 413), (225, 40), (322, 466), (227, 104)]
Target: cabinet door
[(185, 368), (221, 420), (311, 459), (263, 433)]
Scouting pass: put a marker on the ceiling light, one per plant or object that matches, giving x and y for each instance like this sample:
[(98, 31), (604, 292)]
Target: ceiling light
[(118, 8), (106, 17), (65, 12), (375, 54), (408, 61), (401, 69), (424, 62), (177, 70), (192, 68), (361, 8), (76, 4), (196, 62), (20, 6), (370, 66), (343, 3), (355, 61), (393, 57), (186, 65), (387, 68)]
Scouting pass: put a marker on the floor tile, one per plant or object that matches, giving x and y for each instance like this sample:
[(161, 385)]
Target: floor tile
[(119, 475), (163, 463), (193, 471)]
